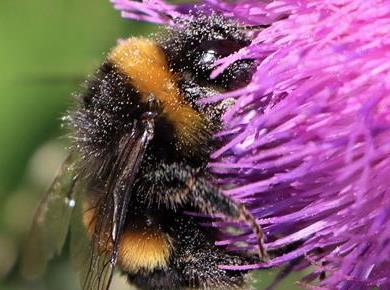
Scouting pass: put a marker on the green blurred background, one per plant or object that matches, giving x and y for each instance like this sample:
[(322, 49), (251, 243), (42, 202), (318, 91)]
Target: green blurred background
[(47, 48)]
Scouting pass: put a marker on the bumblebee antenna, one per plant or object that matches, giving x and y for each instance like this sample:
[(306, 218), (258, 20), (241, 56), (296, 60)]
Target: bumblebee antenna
[(255, 27), (263, 26)]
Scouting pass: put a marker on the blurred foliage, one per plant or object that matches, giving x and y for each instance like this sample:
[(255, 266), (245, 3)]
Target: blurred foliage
[(47, 48)]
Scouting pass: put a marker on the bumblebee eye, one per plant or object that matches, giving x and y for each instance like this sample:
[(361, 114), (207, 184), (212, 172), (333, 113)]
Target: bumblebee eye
[(214, 49), (223, 47), (205, 60), (210, 51)]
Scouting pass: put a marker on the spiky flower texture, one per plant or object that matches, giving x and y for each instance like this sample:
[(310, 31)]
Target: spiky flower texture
[(308, 145)]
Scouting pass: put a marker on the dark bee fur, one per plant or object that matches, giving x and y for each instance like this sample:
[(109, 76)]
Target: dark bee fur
[(144, 142)]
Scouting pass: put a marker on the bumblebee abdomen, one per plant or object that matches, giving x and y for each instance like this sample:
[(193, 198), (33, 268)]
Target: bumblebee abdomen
[(143, 247)]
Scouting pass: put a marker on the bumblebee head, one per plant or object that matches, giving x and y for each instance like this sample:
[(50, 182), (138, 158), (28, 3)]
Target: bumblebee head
[(195, 45)]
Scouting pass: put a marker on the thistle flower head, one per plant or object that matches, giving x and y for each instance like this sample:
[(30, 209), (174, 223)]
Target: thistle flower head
[(308, 140)]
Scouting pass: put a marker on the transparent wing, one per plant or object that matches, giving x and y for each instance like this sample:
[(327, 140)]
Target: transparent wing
[(51, 221), (95, 241)]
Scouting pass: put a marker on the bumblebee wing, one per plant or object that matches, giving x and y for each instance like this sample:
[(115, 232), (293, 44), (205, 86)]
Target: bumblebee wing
[(51, 221), (109, 213)]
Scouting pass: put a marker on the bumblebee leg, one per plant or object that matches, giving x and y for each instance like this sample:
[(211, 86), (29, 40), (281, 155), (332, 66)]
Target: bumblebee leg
[(176, 185), (209, 199)]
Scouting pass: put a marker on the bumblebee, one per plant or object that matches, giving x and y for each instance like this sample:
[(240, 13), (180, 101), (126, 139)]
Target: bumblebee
[(138, 166)]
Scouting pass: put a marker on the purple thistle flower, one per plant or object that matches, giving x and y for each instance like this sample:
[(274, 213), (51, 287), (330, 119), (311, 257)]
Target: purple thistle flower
[(308, 146)]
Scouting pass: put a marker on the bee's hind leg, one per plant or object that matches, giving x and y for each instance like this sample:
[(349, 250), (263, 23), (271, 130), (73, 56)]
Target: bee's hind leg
[(176, 185)]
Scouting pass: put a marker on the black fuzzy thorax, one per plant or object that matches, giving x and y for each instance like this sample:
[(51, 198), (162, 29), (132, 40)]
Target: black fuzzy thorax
[(111, 106)]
